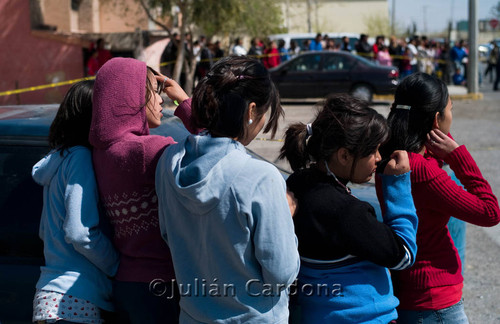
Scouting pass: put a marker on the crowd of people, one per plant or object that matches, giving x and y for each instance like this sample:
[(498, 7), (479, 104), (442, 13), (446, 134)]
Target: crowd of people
[(414, 54), (201, 232), (409, 55)]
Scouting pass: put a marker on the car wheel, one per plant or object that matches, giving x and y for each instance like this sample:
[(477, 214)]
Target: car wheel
[(363, 92)]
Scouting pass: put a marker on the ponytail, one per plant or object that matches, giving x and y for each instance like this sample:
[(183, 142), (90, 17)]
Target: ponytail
[(295, 147), (422, 96)]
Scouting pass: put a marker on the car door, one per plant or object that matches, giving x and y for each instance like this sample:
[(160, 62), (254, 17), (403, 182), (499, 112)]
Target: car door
[(336, 73), (300, 77), (21, 250)]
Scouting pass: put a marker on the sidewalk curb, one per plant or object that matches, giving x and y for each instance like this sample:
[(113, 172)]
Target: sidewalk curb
[(466, 96)]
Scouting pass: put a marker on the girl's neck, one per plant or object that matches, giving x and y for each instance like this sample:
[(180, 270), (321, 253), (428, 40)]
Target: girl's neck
[(322, 167)]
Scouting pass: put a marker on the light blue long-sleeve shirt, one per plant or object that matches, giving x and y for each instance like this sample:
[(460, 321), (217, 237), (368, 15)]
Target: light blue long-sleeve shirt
[(227, 222), (78, 256)]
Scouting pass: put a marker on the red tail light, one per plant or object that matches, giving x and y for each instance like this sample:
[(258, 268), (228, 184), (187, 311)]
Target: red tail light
[(394, 74)]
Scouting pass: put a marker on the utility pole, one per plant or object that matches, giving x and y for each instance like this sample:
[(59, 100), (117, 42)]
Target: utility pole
[(309, 27), (393, 17), (472, 71), (424, 9)]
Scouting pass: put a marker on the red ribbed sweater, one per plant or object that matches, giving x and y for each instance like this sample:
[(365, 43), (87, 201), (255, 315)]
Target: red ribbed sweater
[(437, 197)]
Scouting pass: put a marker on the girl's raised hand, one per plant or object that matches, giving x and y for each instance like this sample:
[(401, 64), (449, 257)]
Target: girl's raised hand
[(439, 144), (172, 89), (398, 163)]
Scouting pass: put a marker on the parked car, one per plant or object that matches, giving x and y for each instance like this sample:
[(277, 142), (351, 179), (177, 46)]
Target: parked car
[(317, 74), (23, 142)]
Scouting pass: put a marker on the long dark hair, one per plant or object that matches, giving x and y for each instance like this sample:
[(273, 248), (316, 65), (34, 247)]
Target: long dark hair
[(71, 125), (343, 121), (417, 100), (220, 100)]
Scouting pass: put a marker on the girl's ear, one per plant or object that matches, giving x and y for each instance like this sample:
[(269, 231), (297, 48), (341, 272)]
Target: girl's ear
[(435, 123), (251, 111), (344, 157)]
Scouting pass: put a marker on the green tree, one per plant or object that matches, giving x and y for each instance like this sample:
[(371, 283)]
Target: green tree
[(211, 17)]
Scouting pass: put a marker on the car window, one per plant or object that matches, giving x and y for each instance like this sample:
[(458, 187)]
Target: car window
[(300, 42), (305, 63), (20, 201), (337, 63), (366, 61)]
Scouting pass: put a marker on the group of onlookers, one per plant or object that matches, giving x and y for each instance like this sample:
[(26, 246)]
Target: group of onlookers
[(410, 55), (202, 232)]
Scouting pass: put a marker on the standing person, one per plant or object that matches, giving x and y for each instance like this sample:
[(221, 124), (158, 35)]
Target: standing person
[(405, 68), (342, 245), (103, 54), (497, 78), (272, 55), (79, 258), (362, 47), (294, 49), (169, 55), (396, 49), (126, 105), (444, 63), (413, 53), (315, 44), (346, 45), (383, 56), (282, 51), (223, 213), (218, 52), (421, 117), (457, 56), (379, 43), (492, 61), (92, 65), (256, 48), (238, 48)]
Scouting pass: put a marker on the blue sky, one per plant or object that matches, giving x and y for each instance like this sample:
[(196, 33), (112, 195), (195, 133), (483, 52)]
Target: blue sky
[(437, 12)]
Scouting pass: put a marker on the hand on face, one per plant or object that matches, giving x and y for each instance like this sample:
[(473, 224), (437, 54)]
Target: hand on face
[(172, 89), (398, 163), (439, 144)]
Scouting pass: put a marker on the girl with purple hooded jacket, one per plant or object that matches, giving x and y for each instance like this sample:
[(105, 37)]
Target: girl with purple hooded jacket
[(127, 104)]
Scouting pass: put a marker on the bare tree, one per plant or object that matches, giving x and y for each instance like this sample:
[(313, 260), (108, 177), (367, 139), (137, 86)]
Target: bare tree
[(254, 18)]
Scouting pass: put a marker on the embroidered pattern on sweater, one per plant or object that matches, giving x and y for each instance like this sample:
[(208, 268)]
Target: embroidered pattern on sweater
[(131, 214)]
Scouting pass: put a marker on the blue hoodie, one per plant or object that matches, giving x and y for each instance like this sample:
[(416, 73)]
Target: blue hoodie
[(78, 256), (226, 219)]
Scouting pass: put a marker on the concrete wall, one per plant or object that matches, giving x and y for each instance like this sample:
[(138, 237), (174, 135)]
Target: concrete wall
[(56, 13), (33, 58), (121, 16), (342, 16)]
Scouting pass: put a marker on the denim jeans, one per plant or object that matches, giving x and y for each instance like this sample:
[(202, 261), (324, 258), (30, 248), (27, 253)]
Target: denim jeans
[(451, 315), (135, 303)]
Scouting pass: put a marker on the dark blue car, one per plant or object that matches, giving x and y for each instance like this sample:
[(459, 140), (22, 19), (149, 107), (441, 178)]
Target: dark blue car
[(23, 142)]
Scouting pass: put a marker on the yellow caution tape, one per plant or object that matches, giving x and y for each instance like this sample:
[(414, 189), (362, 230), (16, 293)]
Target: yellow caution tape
[(45, 86), (268, 139)]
